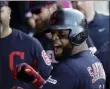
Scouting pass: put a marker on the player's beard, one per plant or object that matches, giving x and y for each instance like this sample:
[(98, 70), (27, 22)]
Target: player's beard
[(66, 53), (41, 28), (42, 25)]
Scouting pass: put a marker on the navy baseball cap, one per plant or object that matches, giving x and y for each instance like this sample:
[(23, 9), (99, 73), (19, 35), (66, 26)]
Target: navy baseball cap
[(34, 5), (3, 3)]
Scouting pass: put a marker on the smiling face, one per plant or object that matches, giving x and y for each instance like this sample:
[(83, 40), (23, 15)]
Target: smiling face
[(61, 43)]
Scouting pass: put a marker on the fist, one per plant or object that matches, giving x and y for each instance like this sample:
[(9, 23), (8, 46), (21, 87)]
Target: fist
[(25, 72), (86, 7)]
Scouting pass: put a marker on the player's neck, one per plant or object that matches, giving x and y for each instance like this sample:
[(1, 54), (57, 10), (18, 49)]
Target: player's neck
[(79, 48), (4, 32)]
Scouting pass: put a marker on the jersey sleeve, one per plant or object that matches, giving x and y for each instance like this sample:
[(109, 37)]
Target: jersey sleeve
[(43, 62), (62, 77)]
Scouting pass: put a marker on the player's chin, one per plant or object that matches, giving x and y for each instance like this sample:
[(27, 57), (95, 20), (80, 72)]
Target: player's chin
[(39, 26)]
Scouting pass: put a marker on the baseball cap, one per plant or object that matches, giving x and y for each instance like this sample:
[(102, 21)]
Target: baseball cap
[(39, 4)]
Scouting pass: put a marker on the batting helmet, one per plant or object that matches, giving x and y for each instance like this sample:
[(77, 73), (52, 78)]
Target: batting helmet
[(74, 20)]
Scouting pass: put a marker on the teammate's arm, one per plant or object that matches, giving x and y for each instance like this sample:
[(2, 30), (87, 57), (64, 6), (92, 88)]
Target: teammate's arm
[(62, 77), (43, 62)]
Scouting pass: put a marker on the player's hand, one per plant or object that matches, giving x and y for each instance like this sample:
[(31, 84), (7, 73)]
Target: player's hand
[(86, 7), (26, 73)]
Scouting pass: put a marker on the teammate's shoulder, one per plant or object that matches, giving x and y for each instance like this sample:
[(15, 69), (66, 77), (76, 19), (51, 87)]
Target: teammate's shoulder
[(23, 36)]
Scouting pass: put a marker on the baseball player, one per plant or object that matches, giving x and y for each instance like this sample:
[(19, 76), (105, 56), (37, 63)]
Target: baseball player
[(16, 47), (41, 12), (98, 25), (78, 68)]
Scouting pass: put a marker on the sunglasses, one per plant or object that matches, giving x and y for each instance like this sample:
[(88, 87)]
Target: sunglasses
[(38, 11)]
